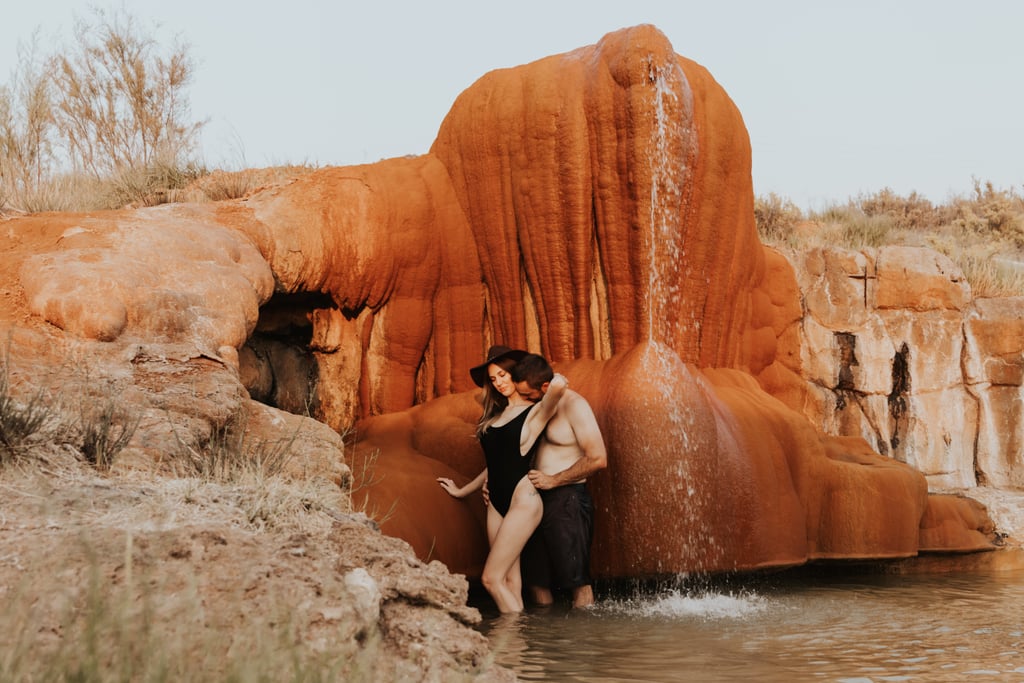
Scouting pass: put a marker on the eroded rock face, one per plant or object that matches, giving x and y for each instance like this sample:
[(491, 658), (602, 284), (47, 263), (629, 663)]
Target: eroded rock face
[(157, 275), (389, 245), (894, 349), (185, 570), (172, 370), (147, 310), (994, 375)]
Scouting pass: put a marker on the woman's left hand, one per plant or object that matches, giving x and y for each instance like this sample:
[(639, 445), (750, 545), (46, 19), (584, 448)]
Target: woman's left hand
[(448, 485)]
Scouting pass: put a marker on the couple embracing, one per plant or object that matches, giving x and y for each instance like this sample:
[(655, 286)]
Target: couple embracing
[(540, 441)]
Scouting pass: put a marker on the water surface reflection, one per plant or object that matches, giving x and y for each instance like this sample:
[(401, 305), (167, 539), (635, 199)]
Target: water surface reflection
[(865, 628)]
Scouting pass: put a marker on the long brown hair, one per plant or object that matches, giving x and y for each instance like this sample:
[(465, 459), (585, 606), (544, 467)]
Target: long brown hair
[(493, 402)]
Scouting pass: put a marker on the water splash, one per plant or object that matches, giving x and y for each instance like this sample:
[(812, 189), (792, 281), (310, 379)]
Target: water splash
[(683, 604)]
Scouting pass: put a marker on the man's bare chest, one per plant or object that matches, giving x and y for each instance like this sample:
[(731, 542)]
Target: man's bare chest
[(559, 432)]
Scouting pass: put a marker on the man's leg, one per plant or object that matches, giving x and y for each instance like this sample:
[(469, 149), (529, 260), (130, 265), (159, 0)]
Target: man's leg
[(541, 597), (572, 517), (583, 596)]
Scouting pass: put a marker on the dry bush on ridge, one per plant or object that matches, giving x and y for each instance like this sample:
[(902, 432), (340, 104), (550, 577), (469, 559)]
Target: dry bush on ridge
[(223, 185), (912, 212), (119, 104), (855, 228), (775, 216), (992, 212), (982, 232), (27, 155), (100, 123)]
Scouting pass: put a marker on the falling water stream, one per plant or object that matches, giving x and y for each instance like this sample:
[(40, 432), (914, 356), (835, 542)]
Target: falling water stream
[(860, 628)]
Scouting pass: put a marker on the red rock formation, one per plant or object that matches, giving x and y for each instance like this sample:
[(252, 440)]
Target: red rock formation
[(955, 523), (609, 193), (396, 463), (994, 374), (608, 190)]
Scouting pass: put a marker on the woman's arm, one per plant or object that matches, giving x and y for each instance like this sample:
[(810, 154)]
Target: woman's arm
[(449, 485), (538, 418)]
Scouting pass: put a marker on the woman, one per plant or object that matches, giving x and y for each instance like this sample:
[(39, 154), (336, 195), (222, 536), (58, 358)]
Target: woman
[(507, 430)]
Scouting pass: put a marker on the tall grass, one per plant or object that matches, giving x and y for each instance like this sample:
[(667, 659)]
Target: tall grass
[(102, 122), (982, 231), (119, 100)]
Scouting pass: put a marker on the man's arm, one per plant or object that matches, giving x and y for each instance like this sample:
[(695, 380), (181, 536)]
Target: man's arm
[(593, 456), (538, 418)]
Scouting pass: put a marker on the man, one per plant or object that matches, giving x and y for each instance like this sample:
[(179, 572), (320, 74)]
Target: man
[(570, 450)]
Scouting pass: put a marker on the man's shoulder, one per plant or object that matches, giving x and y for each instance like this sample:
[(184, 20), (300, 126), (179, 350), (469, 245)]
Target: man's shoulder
[(573, 402)]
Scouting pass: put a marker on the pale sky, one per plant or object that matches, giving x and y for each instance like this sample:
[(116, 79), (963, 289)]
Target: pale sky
[(839, 98)]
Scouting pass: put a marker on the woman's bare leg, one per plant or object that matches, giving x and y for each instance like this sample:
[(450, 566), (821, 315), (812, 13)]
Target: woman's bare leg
[(494, 520), (514, 581), (523, 517), (514, 578)]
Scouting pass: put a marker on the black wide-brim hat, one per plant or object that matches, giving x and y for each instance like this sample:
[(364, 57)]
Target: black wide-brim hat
[(494, 354)]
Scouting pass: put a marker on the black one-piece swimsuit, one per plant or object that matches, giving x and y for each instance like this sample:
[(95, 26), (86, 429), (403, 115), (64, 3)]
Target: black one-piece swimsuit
[(505, 466)]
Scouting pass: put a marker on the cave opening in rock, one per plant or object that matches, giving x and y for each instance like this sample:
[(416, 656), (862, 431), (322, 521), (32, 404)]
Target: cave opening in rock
[(277, 365)]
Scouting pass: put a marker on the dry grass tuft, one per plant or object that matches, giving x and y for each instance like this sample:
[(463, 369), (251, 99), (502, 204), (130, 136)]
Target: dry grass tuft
[(231, 454), (224, 185), (776, 217), (22, 420), (106, 429)]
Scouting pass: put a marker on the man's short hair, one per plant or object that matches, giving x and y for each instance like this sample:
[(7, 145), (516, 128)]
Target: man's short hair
[(533, 369)]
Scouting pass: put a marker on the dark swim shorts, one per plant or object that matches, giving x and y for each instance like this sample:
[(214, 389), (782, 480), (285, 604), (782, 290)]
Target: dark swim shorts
[(558, 553)]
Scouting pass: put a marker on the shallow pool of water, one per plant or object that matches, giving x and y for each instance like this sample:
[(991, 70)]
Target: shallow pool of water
[(853, 628)]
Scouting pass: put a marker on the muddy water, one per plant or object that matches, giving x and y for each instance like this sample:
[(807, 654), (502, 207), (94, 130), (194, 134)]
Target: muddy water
[(854, 628)]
